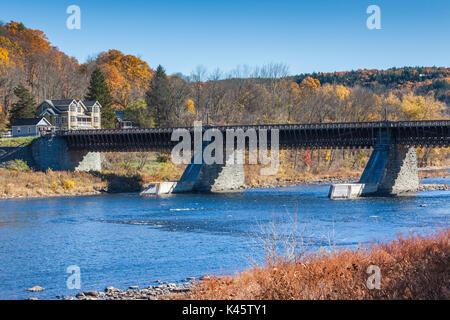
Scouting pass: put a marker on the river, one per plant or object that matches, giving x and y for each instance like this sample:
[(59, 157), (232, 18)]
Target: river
[(124, 239)]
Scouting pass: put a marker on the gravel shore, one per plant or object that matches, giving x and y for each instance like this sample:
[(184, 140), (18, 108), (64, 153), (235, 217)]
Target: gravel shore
[(157, 292), (428, 187)]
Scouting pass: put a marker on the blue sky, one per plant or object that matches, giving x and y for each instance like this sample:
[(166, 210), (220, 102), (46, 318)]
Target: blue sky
[(307, 35)]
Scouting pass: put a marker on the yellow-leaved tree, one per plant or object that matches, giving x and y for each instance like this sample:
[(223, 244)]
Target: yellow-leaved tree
[(421, 107), (127, 76), (190, 106)]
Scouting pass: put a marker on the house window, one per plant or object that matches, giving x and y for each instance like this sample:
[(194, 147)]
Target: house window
[(29, 130), (95, 109), (73, 119), (63, 120), (56, 120), (73, 108), (18, 130), (96, 119), (79, 109)]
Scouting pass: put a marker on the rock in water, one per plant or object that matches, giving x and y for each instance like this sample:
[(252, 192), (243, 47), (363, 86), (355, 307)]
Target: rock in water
[(35, 289), (80, 295)]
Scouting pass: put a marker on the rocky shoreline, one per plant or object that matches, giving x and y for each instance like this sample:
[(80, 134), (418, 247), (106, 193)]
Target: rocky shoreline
[(134, 293), (60, 195), (429, 187), (283, 183)]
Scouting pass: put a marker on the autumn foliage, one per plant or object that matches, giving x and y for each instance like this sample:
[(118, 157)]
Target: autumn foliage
[(414, 267), (246, 95), (127, 76), (28, 58)]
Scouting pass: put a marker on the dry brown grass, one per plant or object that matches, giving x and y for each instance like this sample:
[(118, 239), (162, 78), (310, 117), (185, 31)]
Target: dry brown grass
[(414, 267), (14, 183), (286, 176), (30, 183)]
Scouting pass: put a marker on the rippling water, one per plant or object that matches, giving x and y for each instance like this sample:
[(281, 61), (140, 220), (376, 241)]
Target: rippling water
[(124, 240)]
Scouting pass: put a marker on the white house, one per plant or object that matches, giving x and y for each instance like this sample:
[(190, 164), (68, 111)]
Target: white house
[(71, 114), (30, 127)]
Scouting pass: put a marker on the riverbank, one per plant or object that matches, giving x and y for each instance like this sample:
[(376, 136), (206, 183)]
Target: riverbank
[(289, 178), (415, 267), (20, 182), (134, 293)]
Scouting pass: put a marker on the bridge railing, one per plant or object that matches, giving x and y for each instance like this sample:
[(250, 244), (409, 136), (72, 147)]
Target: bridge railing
[(325, 125)]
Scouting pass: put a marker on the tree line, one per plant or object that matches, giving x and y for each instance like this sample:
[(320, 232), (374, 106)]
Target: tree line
[(32, 70)]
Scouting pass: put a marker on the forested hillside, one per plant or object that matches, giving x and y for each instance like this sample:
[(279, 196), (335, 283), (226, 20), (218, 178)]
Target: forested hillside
[(421, 79), (31, 69), (28, 59)]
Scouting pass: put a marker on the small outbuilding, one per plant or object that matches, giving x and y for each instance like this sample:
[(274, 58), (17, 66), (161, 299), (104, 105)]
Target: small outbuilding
[(121, 121), (30, 127)]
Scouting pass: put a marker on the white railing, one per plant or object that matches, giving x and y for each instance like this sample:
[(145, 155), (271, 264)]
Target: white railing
[(84, 124)]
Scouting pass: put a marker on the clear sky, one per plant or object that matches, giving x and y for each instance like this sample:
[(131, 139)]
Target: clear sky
[(307, 35)]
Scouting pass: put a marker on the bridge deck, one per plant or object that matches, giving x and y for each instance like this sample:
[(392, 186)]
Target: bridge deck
[(316, 135)]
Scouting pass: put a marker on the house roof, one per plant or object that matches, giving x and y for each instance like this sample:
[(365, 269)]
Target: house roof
[(62, 103), (120, 114), (50, 111), (28, 122), (89, 103)]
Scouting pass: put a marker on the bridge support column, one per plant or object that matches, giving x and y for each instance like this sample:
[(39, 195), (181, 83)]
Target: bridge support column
[(53, 153), (391, 170), (400, 174), (227, 176)]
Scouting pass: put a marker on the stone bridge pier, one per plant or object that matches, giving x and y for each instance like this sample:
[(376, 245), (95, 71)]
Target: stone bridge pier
[(53, 152), (390, 171), (201, 177)]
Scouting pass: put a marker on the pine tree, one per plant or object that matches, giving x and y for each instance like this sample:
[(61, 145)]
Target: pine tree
[(158, 98), (98, 91), (25, 107)]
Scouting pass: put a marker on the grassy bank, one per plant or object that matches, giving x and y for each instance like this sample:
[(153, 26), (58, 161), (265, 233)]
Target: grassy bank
[(18, 183), (414, 267), (15, 142), (18, 180), (129, 172)]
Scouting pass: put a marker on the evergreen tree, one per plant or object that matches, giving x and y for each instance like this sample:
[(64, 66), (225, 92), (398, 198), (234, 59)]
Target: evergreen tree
[(25, 107), (158, 98), (98, 90)]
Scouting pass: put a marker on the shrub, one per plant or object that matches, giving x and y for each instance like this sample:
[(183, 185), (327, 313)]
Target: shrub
[(19, 165), (68, 184), (163, 157)]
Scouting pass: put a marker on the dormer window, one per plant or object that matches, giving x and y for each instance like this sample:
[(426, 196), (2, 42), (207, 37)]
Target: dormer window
[(73, 108), (79, 109)]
